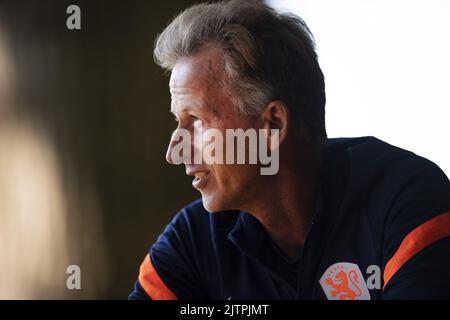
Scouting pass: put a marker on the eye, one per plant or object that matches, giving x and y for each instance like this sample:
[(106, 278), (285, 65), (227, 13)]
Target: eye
[(194, 118)]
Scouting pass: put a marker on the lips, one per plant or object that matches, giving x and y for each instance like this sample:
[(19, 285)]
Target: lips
[(199, 174), (200, 178)]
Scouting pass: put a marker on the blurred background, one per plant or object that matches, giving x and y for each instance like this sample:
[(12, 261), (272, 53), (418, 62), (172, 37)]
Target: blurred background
[(387, 67), (84, 124)]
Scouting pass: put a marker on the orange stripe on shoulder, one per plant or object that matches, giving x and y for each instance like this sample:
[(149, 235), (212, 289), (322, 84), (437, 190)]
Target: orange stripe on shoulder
[(152, 282), (421, 237)]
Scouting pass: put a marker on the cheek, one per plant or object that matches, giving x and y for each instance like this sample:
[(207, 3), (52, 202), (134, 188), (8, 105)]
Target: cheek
[(235, 176)]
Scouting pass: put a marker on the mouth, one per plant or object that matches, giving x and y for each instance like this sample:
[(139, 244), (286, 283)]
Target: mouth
[(200, 179)]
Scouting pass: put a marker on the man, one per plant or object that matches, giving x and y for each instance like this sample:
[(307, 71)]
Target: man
[(339, 219)]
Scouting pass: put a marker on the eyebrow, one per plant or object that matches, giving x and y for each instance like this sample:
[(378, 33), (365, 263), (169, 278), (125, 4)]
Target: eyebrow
[(187, 107), (181, 110)]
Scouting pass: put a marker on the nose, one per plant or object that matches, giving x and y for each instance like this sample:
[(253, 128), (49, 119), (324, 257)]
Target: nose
[(180, 147), (169, 157)]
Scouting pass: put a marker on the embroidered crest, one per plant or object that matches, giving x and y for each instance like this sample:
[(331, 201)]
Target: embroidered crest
[(344, 281)]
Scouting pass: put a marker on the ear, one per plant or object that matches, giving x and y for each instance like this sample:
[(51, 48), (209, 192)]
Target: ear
[(276, 116)]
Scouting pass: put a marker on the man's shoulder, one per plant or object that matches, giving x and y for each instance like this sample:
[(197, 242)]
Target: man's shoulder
[(373, 163), (392, 187), (368, 149)]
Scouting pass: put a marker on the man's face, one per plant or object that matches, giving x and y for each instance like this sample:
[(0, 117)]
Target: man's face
[(199, 99)]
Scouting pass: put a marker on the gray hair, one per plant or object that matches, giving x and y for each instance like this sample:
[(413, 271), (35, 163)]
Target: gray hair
[(268, 56)]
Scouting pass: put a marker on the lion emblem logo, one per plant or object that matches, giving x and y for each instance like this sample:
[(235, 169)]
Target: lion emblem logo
[(344, 281)]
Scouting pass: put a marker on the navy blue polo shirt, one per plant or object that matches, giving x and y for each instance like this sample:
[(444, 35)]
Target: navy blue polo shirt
[(381, 231)]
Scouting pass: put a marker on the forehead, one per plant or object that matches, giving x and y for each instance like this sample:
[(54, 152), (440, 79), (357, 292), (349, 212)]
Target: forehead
[(199, 72)]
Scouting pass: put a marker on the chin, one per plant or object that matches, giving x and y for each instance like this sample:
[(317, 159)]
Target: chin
[(214, 203)]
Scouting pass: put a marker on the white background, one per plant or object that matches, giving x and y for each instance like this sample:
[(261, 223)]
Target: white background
[(387, 70)]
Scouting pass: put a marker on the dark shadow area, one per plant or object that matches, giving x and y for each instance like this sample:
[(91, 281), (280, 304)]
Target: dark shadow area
[(104, 105)]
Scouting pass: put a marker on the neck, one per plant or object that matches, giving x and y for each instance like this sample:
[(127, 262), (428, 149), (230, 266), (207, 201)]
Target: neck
[(287, 209)]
